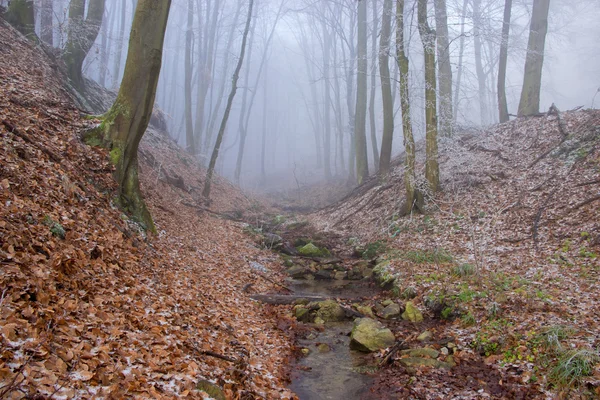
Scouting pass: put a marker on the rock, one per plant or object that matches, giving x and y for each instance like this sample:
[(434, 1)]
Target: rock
[(330, 311), (387, 302), (211, 389), (305, 351), (412, 313), (272, 240), (302, 314), (369, 335), (296, 272), (340, 275), (323, 348), (365, 310), (367, 273), (323, 274), (450, 361), (412, 362), (311, 336), (258, 266), (383, 274), (422, 352), (310, 250), (391, 311), (444, 351), (319, 321), (424, 336)]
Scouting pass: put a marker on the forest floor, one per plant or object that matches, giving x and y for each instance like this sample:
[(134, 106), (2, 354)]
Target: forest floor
[(504, 264)]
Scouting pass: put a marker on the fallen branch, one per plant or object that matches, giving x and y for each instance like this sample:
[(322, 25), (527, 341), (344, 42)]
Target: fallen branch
[(13, 129), (562, 126), (538, 216), (219, 356), (588, 183), (393, 350)]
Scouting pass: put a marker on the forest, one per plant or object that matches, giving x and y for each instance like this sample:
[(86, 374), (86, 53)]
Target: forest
[(299, 199)]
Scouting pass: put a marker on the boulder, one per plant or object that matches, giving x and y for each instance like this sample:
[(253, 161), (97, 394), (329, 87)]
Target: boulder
[(211, 389), (330, 311), (302, 314), (415, 362), (411, 313), (424, 336), (369, 335), (391, 311), (340, 275), (272, 240), (310, 250), (323, 274), (423, 352), (365, 310)]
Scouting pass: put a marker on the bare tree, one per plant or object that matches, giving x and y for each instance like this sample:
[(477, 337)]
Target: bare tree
[(372, 124), (236, 75), (360, 140), (461, 52), (46, 25), (444, 68), (386, 91), (502, 105), (190, 142), (532, 81)]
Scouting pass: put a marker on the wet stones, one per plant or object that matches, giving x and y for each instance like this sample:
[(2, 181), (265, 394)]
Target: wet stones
[(369, 335)]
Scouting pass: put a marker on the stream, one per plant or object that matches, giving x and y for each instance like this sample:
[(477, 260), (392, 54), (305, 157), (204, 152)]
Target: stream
[(331, 370)]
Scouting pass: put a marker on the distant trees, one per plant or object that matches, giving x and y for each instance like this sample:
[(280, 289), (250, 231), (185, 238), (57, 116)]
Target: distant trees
[(21, 15), (386, 89), (81, 36), (502, 104), (124, 124), (360, 140), (532, 80)]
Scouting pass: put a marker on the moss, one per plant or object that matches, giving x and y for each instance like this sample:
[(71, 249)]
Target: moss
[(115, 155)]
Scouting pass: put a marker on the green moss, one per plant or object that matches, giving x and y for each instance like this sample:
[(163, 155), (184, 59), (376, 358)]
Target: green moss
[(115, 155)]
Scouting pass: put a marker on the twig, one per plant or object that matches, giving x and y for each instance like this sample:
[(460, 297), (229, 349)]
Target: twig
[(538, 216), (13, 129), (395, 348), (217, 355)]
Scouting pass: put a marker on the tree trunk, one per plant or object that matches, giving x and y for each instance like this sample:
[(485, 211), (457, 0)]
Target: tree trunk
[(386, 91), (409, 142), (372, 124), (461, 53), (120, 44), (190, 144), (263, 147), (444, 68), (481, 78), (46, 25), (432, 171), (532, 81), (327, 93), (502, 105), (124, 124), (360, 139), (21, 15), (81, 37), (103, 50), (236, 75)]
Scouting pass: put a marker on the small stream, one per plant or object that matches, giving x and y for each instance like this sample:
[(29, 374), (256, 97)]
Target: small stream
[(331, 370)]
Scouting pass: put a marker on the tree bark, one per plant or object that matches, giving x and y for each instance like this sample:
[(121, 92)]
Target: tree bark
[(409, 142), (502, 105), (46, 25), (327, 93), (120, 45), (532, 81), (481, 77), (432, 172), (386, 91), (124, 124), (81, 37), (461, 53), (372, 123), (236, 75), (190, 144), (444, 68), (360, 139)]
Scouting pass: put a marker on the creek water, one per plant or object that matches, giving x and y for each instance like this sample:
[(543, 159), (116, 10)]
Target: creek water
[(331, 370)]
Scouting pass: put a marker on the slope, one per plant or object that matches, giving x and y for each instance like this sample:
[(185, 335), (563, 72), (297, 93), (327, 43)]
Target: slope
[(90, 307)]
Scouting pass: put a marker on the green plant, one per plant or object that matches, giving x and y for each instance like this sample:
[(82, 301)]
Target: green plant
[(494, 310), (573, 365), (549, 338), (435, 256), (463, 270), (409, 293), (468, 319), (447, 313), (583, 252), (56, 228), (372, 250)]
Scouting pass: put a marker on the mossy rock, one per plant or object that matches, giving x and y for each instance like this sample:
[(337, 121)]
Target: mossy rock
[(412, 313), (369, 335), (211, 389), (415, 362), (422, 352), (302, 314), (383, 274), (310, 250), (391, 311), (330, 311)]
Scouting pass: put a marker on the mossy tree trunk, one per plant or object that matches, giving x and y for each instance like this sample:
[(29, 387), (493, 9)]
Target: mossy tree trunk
[(532, 81), (81, 37), (360, 120), (20, 14), (386, 89), (409, 141), (236, 76), (432, 170), (125, 123)]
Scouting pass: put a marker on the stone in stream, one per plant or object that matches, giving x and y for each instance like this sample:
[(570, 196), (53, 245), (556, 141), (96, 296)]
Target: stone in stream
[(330, 311), (369, 335), (323, 274), (302, 314), (310, 250), (424, 336), (297, 271), (391, 311), (365, 310), (411, 313), (211, 389)]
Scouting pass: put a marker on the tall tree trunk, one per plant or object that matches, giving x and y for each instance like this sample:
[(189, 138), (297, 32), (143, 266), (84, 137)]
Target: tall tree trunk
[(432, 170), (81, 37), (481, 78), (236, 75), (461, 52), (327, 92), (444, 68), (386, 91), (409, 142), (242, 131), (46, 24), (350, 97), (125, 123), (360, 139), (103, 49), (338, 110), (263, 147), (190, 144), (21, 15), (120, 44), (532, 80), (372, 124)]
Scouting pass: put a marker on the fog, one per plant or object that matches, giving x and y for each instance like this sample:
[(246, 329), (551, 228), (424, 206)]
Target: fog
[(287, 103)]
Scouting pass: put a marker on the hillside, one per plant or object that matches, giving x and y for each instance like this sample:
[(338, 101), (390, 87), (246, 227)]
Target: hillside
[(89, 306)]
